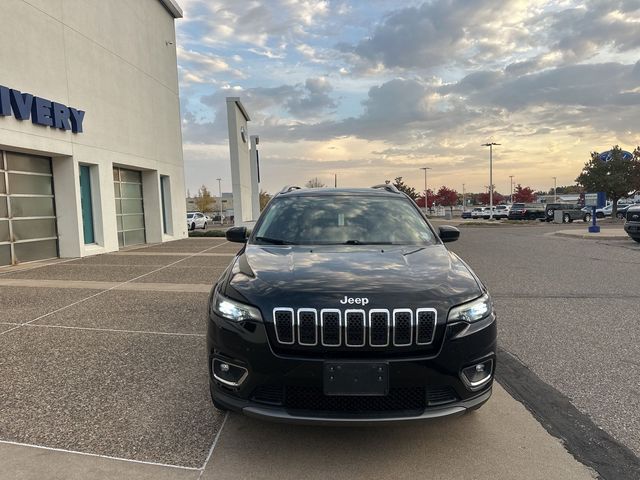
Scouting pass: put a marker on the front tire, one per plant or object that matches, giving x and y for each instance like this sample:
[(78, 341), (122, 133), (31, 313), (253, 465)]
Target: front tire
[(636, 239), (193, 226), (587, 217), (566, 218), (204, 227)]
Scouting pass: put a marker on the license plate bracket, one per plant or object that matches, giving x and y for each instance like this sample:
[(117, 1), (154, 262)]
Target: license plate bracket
[(356, 378)]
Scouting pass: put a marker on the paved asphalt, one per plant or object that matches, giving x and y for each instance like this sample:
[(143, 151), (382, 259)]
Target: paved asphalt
[(569, 310), (104, 357)]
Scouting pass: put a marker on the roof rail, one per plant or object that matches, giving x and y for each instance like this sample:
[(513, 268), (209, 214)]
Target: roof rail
[(388, 187), (289, 188)]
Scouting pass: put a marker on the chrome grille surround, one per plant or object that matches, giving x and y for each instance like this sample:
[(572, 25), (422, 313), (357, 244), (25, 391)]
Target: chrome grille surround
[(326, 312), (277, 319), (359, 316), (375, 316), (399, 321), (307, 316), (375, 328), (419, 325)]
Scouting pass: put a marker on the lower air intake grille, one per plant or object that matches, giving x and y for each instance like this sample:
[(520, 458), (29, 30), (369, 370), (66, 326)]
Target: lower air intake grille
[(269, 394), (405, 401), (441, 395)]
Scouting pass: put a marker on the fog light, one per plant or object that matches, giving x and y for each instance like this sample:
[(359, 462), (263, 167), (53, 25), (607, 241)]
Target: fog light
[(228, 373), (477, 375)]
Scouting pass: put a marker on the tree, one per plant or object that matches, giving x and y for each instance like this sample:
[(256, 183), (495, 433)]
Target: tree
[(523, 194), (203, 199), (447, 197), (616, 177), (264, 199), (420, 200), (403, 187), (485, 199), (314, 183)]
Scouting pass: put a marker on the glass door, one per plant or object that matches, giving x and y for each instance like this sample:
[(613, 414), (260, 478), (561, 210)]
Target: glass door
[(87, 207)]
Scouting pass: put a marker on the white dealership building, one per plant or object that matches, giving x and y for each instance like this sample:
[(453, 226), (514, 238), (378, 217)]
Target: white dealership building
[(90, 140)]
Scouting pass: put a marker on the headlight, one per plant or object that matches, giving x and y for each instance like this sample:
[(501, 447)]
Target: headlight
[(233, 310), (472, 311)]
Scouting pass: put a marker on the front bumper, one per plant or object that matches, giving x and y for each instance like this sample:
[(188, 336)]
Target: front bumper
[(632, 229), (438, 375)]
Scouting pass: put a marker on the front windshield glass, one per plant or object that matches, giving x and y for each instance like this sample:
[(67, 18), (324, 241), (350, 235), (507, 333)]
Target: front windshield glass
[(189, 215), (348, 220)]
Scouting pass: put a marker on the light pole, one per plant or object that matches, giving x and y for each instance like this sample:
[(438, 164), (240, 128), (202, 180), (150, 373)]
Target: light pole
[(464, 204), (490, 145), (511, 190), (220, 197), (555, 189), (426, 195)]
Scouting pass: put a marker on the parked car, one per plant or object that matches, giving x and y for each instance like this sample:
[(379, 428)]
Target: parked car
[(196, 220), (632, 222), (570, 212), (501, 211), (349, 336), (477, 212), (466, 214), (526, 211), (608, 210)]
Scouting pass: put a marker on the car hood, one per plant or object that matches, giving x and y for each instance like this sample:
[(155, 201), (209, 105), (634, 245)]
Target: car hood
[(322, 276)]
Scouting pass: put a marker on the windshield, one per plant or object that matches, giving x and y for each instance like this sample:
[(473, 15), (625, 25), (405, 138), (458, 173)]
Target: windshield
[(189, 215), (348, 220)]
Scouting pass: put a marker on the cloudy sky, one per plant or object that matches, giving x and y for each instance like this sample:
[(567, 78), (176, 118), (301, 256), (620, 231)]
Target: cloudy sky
[(376, 89)]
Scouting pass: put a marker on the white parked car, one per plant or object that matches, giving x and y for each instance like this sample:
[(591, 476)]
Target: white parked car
[(196, 220), (477, 212), (501, 211)]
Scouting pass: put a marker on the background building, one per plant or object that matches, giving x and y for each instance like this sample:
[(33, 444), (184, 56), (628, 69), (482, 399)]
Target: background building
[(90, 140)]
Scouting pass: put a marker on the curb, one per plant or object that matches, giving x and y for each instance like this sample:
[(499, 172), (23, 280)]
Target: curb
[(591, 236)]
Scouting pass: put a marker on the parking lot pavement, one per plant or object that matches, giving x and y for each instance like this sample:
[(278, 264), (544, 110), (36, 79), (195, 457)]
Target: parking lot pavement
[(110, 381), (568, 309), (500, 441)]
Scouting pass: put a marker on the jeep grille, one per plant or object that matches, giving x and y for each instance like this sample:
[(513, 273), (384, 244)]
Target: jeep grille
[(353, 328)]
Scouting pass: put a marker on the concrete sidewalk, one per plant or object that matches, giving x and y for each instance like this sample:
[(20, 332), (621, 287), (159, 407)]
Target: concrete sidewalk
[(612, 233)]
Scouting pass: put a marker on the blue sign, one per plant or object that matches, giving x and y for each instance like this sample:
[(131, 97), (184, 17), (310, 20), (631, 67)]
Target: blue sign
[(608, 155), (41, 111)]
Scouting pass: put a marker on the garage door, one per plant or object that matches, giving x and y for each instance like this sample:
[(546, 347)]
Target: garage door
[(127, 185), (27, 211)]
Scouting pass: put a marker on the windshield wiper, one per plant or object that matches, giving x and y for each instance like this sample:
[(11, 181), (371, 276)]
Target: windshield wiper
[(358, 242), (274, 241)]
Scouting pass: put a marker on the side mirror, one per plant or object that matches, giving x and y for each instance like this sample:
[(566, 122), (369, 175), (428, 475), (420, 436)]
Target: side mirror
[(237, 234), (449, 233)]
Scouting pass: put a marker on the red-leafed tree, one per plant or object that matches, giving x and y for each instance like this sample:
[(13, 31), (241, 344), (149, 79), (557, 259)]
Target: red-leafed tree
[(446, 197), (432, 198), (484, 199), (523, 194)]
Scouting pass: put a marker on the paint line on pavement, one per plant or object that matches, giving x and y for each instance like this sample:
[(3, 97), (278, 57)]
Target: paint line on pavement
[(120, 459), (91, 285), (109, 289), (213, 445)]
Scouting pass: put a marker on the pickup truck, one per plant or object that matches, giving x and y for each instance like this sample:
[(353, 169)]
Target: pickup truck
[(570, 212), (527, 211)]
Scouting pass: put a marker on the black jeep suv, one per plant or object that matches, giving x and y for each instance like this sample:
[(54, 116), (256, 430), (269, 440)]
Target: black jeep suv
[(632, 222), (344, 306)]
